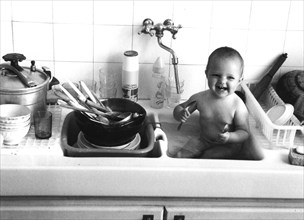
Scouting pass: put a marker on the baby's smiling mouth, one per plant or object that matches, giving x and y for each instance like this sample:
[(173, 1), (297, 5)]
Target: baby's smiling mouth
[(221, 87)]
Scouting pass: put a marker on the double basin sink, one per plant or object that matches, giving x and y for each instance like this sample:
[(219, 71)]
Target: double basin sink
[(160, 138)]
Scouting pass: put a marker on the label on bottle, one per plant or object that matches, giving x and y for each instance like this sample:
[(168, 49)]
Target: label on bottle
[(130, 92), (157, 93)]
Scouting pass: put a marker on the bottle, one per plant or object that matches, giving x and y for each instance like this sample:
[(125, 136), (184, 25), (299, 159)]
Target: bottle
[(130, 68), (157, 92)]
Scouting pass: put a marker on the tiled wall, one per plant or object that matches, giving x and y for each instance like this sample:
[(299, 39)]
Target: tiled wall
[(77, 38)]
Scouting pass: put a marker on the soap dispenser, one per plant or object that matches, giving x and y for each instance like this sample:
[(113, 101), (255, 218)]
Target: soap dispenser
[(157, 92)]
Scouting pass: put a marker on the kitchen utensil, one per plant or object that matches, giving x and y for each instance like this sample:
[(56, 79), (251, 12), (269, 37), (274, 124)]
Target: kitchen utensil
[(43, 124), (88, 91), (114, 133), (13, 136), (82, 142), (280, 114), (263, 84), (19, 85), (14, 113), (191, 108), (290, 88)]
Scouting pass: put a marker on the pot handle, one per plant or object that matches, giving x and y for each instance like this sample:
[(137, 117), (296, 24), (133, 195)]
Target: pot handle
[(22, 77), (48, 72)]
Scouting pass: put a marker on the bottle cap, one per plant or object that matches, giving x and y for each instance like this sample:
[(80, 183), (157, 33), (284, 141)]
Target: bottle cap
[(159, 66)]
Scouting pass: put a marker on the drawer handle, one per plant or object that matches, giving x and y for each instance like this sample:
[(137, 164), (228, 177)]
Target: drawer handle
[(148, 217), (179, 217)]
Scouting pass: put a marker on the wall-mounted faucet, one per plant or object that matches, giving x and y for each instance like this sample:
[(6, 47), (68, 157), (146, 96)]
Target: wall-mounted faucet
[(168, 25)]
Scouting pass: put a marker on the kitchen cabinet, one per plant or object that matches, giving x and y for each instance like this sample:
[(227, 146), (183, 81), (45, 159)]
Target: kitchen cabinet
[(119, 208), (75, 209), (242, 212)]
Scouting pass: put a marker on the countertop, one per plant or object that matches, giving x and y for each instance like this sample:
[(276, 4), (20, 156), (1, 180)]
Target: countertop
[(38, 168)]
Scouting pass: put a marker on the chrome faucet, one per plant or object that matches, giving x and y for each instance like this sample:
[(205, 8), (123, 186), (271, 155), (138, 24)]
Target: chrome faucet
[(168, 25)]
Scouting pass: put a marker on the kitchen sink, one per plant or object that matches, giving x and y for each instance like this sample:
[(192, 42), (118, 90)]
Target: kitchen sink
[(178, 138)]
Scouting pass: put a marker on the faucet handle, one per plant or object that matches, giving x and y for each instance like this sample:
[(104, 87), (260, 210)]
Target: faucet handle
[(169, 24), (148, 26)]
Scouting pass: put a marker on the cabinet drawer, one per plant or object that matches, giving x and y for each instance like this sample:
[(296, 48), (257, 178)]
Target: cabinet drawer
[(209, 213), (82, 213)]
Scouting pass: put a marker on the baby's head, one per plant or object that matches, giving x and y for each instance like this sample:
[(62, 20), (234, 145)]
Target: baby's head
[(224, 71), (225, 53)]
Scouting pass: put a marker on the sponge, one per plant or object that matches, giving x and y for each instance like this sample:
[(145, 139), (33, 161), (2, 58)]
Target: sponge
[(295, 158)]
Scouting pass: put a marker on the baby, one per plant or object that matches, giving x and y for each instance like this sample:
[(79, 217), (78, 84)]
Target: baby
[(223, 116)]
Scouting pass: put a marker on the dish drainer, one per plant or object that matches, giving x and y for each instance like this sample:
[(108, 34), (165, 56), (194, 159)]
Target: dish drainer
[(282, 136)]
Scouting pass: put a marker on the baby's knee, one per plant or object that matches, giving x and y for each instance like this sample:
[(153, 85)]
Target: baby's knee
[(212, 154), (220, 153)]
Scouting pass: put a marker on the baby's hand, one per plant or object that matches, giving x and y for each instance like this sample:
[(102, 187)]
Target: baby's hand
[(185, 114), (223, 137)]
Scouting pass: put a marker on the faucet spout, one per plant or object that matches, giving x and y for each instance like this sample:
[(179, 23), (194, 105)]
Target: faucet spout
[(168, 25), (174, 62)]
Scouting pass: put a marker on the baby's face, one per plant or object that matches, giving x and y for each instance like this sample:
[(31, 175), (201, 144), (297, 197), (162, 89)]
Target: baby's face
[(224, 76)]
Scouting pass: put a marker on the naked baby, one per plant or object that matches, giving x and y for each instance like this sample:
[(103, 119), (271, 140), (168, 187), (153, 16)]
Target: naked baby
[(223, 116)]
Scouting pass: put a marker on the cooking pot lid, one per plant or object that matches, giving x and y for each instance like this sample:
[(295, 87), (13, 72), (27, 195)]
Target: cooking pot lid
[(10, 81)]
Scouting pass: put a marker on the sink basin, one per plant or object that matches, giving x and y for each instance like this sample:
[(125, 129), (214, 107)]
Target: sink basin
[(70, 147), (178, 138)]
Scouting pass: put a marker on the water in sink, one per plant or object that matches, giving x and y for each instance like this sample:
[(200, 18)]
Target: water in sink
[(177, 139)]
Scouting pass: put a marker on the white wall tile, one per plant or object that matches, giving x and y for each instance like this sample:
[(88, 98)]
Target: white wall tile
[(113, 69), (158, 11), (79, 37), (255, 73), (236, 39), (148, 48), (110, 42), (5, 10), (74, 71), (296, 17), (73, 42), (79, 12), (144, 79), (193, 13), (264, 46), (270, 15), (295, 49), (113, 12), (231, 14), (6, 41), (194, 78), (34, 40), (192, 46), (32, 11)]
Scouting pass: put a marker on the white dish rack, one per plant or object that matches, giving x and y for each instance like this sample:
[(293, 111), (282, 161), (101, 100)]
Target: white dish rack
[(282, 136)]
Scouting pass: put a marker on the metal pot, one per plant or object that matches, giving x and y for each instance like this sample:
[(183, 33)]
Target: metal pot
[(107, 135), (23, 85)]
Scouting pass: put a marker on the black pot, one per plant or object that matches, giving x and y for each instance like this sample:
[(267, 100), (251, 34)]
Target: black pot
[(104, 135)]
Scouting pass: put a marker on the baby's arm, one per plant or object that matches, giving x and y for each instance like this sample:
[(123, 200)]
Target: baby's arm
[(241, 123), (181, 112)]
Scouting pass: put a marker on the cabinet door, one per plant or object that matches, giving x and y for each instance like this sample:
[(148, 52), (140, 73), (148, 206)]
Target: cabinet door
[(82, 213), (209, 213)]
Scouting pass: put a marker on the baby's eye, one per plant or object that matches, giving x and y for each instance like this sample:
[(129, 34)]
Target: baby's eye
[(230, 77)]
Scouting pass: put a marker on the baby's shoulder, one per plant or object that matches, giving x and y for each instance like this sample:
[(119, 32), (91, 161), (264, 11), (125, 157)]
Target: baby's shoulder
[(200, 95)]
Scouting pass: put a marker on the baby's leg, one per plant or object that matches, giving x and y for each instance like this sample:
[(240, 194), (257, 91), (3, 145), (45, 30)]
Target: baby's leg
[(222, 152), (192, 149)]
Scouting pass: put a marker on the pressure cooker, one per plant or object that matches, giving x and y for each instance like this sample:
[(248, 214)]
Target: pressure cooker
[(23, 85)]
